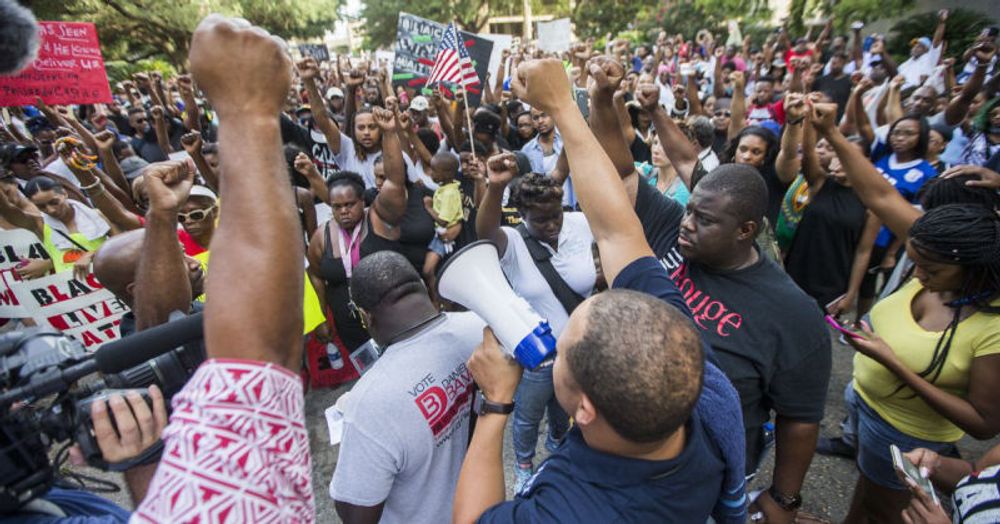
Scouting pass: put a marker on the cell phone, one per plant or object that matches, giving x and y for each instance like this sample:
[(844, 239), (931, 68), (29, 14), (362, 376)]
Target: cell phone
[(829, 305), (904, 466), (846, 330), (857, 25)]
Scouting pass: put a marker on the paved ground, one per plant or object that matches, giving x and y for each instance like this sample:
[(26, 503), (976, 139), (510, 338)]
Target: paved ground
[(827, 491)]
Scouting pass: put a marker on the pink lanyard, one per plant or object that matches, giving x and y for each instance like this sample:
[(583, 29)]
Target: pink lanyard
[(350, 254)]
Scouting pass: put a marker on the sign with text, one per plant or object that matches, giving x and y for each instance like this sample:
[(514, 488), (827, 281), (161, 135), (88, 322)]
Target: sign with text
[(317, 51), (69, 69), (17, 246), (417, 42), (81, 309)]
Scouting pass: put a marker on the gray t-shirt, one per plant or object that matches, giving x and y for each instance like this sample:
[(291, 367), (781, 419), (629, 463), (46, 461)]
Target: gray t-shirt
[(406, 425)]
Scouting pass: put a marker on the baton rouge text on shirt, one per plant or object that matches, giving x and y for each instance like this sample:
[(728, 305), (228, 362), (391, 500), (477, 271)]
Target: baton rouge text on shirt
[(441, 402), (707, 312)]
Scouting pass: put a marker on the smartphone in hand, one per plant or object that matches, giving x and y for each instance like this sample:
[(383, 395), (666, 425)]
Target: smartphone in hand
[(846, 330), (910, 471)]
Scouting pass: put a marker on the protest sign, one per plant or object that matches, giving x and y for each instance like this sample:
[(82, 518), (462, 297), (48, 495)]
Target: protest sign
[(81, 309), (555, 36), (317, 51), (500, 42), (16, 245), (69, 69), (417, 41)]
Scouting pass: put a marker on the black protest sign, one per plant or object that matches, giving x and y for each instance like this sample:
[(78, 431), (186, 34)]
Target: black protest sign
[(417, 42), (317, 51)]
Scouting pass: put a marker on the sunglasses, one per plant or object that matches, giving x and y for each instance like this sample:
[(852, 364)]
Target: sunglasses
[(723, 113), (195, 216)]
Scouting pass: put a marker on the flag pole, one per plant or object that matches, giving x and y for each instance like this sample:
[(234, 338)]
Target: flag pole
[(465, 99)]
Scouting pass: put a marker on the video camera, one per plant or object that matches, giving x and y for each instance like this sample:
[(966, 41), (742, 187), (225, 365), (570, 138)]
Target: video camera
[(36, 364)]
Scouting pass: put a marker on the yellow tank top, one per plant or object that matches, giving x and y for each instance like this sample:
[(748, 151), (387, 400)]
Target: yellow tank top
[(892, 318), (63, 259)]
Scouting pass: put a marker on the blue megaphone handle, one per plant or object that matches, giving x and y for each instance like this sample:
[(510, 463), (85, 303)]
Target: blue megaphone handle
[(536, 346)]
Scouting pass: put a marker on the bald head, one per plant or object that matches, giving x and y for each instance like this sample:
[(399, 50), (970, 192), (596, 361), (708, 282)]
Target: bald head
[(116, 261)]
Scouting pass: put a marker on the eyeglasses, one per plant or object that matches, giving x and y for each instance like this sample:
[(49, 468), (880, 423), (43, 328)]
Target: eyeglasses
[(723, 113), (195, 216), (142, 120)]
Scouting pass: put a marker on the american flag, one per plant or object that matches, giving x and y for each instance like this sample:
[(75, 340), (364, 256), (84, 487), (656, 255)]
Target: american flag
[(453, 63)]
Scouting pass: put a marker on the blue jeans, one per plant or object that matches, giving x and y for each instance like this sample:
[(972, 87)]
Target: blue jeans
[(873, 436), (534, 395)]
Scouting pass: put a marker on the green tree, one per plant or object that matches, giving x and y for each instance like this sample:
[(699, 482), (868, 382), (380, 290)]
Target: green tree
[(382, 16), (961, 30), (134, 30)]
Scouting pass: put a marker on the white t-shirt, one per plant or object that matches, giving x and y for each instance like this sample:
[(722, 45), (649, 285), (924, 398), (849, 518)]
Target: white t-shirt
[(406, 425), (574, 261), (915, 68), (348, 160)]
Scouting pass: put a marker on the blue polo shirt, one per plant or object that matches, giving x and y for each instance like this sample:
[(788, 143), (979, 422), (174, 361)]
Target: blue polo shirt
[(581, 484)]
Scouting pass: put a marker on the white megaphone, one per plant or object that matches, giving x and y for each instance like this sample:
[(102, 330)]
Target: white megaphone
[(472, 277)]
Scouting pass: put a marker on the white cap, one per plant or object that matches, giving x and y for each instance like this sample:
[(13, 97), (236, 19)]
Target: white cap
[(202, 191), (334, 92), (419, 103)]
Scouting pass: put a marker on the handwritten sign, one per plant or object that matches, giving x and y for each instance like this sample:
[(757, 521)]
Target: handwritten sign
[(317, 51), (69, 69), (555, 36), (15, 245), (417, 42), (81, 309)]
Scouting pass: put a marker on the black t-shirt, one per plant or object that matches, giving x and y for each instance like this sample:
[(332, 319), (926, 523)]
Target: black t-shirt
[(640, 150), (838, 89), (768, 336), (821, 254), (149, 149), (720, 142), (313, 142), (417, 227)]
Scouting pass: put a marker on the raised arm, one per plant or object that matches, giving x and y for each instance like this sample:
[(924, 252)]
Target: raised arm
[(160, 128), (862, 124), (738, 107), (875, 191), (681, 152), (788, 164), (12, 213), (192, 115), (306, 167), (390, 204), (192, 144), (246, 76), (959, 106), (604, 119), (105, 141), (939, 30), (500, 170), (813, 173), (162, 285), (90, 181), (309, 72)]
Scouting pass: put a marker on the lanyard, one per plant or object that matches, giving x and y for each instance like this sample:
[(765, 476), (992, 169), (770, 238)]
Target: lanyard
[(347, 255)]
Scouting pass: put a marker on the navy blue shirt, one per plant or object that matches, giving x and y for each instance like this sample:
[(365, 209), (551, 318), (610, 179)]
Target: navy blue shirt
[(580, 484), (80, 507)]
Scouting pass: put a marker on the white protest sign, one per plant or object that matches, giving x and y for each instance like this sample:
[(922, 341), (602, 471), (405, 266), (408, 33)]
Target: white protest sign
[(500, 42), (15, 245), (82, 309), (555, 36)]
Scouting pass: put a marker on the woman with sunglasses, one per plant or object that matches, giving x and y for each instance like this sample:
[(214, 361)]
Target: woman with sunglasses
[(197, 218), (355, 231)]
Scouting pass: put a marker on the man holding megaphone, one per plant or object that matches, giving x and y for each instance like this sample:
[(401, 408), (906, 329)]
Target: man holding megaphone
[(658, 429)]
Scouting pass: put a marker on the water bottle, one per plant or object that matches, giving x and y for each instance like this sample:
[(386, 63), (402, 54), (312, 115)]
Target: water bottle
[(333, 354)]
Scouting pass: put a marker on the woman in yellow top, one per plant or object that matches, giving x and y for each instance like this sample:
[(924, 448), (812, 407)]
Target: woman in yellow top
[(928, 369)]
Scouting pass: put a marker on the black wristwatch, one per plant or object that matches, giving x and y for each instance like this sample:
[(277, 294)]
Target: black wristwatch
[(482, 406), (785, 502)]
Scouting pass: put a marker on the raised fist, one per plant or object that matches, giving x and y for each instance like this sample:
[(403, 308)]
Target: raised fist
[(648, 96), (607, 74), (242, 69), (824, 118), (168, 185), (157, 113), (303, 164), (191, 142), (105, 140), (739, 81), (308, 68), (795, 106), (385, 119), (543, 84), (501, 169)]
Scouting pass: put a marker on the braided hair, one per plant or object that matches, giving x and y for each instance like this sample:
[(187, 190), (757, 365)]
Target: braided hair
[(967, 236), (534, 189)]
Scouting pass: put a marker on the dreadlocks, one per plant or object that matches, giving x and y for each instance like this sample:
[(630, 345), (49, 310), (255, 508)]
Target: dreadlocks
[(967, 236)]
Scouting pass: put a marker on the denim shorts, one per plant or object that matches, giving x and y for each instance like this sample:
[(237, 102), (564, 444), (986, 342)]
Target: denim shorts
[(875, 435)]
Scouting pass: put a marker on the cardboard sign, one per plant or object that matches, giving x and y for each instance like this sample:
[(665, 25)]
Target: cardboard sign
[(417, 42), (83, 309), (555, 36), (69, 69), (317, 51), (16, 245)]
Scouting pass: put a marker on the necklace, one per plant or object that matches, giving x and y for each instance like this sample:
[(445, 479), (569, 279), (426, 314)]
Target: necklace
[(412, 329)]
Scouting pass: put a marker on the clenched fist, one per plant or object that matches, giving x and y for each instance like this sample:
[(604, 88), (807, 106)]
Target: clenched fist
[(543, 84), (242, 69)]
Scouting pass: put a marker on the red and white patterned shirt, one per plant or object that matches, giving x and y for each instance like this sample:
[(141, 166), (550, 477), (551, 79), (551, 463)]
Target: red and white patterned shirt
[(236, 449)]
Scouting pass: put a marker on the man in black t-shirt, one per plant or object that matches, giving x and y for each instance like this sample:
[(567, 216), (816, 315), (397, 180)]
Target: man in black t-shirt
[(836, 85), (768, 335)]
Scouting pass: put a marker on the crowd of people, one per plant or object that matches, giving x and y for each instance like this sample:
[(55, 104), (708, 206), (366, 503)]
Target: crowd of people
[(683, 213)]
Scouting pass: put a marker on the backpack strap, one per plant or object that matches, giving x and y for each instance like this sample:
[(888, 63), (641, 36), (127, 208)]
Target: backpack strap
[(542, 257)]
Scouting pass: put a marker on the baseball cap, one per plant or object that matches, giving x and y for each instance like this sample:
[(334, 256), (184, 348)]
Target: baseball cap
[(10, 152), (772, 126), (923, 40), (335, 92), (202, 191), (419, 103)]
